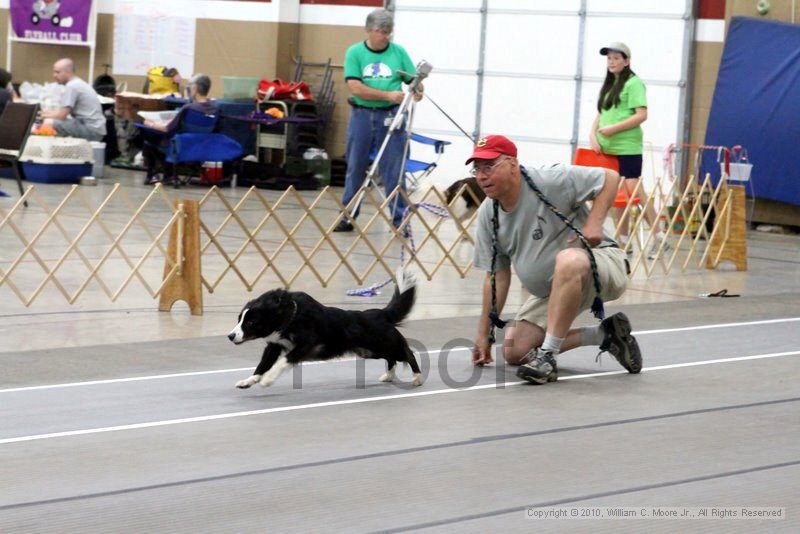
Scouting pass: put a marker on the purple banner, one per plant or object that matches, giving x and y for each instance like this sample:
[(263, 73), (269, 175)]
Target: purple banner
[(51, 20)]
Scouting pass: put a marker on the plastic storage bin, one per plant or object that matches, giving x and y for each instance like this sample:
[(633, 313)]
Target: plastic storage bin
[(99, 151), (239, 87), (56, 173)]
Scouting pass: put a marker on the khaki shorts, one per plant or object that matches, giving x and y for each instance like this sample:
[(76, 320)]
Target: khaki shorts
[(613, 271)]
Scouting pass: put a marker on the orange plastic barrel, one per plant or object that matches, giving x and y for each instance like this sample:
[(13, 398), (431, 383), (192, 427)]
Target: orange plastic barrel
[(586, 157), (622, 199)]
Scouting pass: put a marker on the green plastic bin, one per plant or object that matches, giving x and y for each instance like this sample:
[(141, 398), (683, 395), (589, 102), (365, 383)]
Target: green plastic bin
[(239, 87)]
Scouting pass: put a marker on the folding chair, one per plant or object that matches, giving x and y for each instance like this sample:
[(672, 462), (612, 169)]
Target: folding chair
[(416, 171), (15, 127), (196, 141)]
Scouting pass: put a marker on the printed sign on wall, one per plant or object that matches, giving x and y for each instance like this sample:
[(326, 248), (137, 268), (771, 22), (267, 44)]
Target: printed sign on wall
[(51, 20), (145, 37)]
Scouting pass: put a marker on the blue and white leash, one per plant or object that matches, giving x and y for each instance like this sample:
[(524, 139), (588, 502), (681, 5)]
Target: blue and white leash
[(374, 290)]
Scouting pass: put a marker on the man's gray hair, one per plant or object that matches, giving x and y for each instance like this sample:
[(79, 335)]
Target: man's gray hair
[(380, 19), (202, 82)]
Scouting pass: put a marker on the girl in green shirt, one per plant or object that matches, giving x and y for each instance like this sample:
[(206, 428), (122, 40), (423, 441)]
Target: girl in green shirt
[(621, 109)]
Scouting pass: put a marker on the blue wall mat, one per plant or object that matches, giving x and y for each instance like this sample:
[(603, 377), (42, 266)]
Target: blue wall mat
[(757, 105)]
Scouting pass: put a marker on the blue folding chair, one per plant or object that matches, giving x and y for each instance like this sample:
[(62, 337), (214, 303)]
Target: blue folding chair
[(196, 141), (415, 170)]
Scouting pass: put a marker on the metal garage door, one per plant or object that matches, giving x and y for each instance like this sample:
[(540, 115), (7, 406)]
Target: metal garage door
[(531, 69)]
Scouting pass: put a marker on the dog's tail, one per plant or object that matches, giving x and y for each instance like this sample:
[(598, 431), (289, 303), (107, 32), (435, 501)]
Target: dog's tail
[(403, 299)]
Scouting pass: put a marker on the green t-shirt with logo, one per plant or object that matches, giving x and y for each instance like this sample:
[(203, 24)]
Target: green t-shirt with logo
[(627, 142), (377, 70)]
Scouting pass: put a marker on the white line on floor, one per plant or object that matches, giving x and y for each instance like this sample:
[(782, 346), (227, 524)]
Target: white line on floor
[(173, 375), (723, 325), (131, 379), (348, 359), (367, 399)]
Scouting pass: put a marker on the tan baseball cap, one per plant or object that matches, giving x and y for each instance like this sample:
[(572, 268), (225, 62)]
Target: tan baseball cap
[(616, 47)]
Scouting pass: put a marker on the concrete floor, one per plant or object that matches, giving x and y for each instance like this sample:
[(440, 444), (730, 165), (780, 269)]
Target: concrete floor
[(115, 417)]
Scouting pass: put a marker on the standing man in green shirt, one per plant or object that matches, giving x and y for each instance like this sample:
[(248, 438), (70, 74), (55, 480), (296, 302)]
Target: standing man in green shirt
[(371, 73)]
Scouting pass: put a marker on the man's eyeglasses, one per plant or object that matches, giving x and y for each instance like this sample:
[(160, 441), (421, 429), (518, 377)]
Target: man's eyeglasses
[(485, 168)]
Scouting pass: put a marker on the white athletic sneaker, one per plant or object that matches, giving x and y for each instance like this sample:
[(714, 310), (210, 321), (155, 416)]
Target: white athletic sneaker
[(654, 249)]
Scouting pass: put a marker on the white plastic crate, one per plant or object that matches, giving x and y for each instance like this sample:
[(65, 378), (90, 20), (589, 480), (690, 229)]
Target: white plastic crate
[(61, 150)]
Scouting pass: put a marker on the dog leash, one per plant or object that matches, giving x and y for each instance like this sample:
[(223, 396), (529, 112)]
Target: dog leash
[(722, 293), (494, 317), (471, 138), (374, 290)]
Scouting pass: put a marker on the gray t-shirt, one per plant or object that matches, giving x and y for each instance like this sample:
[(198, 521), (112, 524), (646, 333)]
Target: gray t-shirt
[(530, 235), (84, 104)]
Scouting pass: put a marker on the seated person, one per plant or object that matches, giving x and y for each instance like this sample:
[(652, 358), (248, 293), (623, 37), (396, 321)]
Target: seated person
[(6, 91), (199, 87), (80, 101), (6, 96)]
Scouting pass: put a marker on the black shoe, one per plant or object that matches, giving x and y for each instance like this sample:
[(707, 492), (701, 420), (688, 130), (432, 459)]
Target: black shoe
[(541, 369), (620, 343), (343, 226)]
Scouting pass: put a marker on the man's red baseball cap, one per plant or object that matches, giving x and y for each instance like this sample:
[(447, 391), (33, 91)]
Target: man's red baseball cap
[(493, 146)]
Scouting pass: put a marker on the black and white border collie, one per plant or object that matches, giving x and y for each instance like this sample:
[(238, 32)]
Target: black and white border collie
[(297, 329)]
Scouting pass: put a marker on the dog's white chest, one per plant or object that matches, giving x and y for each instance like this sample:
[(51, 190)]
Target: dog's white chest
[(278, 339)]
